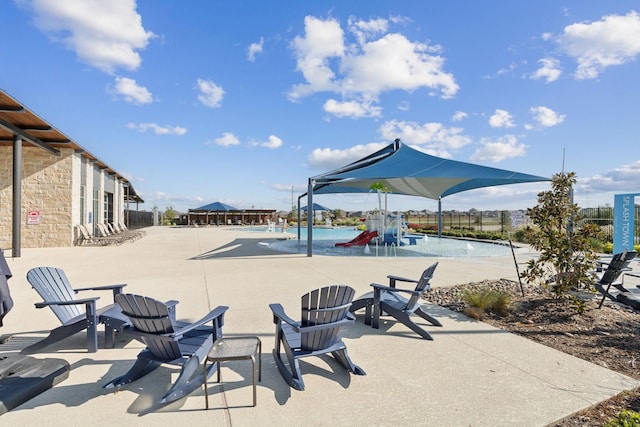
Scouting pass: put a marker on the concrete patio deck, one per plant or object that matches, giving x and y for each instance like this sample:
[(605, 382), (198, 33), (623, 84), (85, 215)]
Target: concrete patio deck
[(471, 374)]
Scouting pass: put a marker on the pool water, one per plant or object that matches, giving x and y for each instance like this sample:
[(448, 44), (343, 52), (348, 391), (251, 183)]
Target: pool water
[(324, 240)]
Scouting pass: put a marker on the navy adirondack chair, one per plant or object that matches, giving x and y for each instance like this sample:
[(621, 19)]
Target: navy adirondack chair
[(169, 341), (324, 312), (75, 314), (389, 300), (618, 264)]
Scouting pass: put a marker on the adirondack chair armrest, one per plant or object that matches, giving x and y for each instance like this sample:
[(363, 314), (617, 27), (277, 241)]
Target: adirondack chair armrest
[(172, 303), (393, 279), (280, 315), (117, 289), (217, 312), (133, 331), (74, 302), (378, 287)]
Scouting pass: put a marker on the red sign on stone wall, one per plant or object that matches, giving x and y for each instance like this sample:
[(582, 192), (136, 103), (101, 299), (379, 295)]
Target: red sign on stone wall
[(33, 217)]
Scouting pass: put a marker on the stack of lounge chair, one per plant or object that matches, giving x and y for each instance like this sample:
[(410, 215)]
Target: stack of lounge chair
[(110, 233)]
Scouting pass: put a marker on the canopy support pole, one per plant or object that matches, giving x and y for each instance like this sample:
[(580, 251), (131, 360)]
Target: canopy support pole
[(439, 217), (299, 216), (309, 223)]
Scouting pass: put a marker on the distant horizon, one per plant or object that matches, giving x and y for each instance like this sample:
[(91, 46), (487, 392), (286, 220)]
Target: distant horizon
[(637, 205)]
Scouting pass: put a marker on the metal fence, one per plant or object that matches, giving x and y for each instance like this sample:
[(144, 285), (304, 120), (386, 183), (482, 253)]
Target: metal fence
[(138, 219), (475, 220), (603, 217), (505, 220)]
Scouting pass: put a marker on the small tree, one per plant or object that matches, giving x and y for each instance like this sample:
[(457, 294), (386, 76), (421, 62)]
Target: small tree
[(566, 255), (169, 216)]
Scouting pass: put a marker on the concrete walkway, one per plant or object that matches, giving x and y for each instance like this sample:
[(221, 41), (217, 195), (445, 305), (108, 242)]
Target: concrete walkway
[(471, 374)]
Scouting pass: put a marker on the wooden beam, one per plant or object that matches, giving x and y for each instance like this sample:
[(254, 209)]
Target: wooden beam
[(35, 141)]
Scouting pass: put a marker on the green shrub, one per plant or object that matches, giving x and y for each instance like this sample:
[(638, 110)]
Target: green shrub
[(607, 248), (626, 418), (466, 233), (501, 301), (479, 301), (519, 236)]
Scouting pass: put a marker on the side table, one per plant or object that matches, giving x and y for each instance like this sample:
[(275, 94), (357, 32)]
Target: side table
[(240, 348)]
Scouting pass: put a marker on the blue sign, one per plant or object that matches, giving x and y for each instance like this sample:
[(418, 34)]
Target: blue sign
[(623, 222)]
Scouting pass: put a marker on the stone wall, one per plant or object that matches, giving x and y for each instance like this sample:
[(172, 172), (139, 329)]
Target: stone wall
[(47, 182)]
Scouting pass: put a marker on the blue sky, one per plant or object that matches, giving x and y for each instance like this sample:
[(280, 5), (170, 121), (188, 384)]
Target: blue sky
[(241, 102)]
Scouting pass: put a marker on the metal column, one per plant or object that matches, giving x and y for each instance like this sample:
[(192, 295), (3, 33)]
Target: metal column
[(309, 218), (17, 196), (439, 217)]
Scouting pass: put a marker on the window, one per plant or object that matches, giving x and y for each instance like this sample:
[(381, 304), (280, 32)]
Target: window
[(82, 206), (108, 208)]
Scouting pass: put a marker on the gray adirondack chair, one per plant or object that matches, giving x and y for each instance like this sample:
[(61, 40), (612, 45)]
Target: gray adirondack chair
[(169, 341), (618, 264), (324, 312), (53, 286), (389, 300)]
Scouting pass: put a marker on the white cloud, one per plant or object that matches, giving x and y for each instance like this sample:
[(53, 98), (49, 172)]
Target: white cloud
[(104, 34), (210, 94), (549, 70), (501, 119), (518, 196), (226, 140), (459, 116), (499, 149), (614, 40), (366, 30), (163, 200), (351, 108), (273, 142), (359, 71), (547, 36), (323, 40), (157, 129), (620, 180), (431, 137), (508, 69), (255, 49), (393, 62), (329, 159), (546, 117), (131, 92)]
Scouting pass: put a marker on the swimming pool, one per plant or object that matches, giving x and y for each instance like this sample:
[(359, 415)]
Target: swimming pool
[(324, 240)]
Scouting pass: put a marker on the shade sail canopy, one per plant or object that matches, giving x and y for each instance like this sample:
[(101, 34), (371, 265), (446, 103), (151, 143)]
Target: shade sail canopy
[(315, 207), (216, 207), (400, 169)]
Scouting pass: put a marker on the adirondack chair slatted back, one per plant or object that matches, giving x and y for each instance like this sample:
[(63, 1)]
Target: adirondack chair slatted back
[(151, 316), (618, 263), (52, 285), (422, 286), (630, 257), (324, 306), (610, 273)]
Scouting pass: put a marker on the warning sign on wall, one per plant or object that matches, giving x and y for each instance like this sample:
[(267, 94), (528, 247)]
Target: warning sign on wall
[(33, 217)]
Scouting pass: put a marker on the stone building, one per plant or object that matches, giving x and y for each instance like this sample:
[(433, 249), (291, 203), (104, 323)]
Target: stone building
[(49, 183)]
